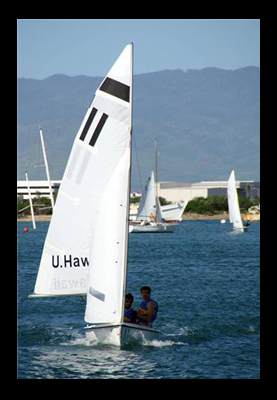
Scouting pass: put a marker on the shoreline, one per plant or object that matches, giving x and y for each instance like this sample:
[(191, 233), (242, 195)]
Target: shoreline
[(186, 217), (38, 218), (205, 217)]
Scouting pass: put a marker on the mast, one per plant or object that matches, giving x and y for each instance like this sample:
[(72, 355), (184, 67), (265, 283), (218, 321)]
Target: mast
[(156, 169), (30, 201), (128, 191), (47, 169), (156, 181)]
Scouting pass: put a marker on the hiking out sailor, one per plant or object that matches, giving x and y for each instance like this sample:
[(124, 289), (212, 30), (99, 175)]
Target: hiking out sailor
[(148, 309)]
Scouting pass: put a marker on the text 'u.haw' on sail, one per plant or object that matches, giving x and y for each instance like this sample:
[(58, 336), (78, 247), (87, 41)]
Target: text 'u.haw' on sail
[(69, 261)]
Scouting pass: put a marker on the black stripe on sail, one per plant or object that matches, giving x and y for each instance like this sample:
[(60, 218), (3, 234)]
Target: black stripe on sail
[(88, 123), (98, 129), (116, 89)]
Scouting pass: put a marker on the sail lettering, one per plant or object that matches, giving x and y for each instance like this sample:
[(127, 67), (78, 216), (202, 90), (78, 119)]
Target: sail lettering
[(53, 261), (84, 262), (61, 284), (69, 261)]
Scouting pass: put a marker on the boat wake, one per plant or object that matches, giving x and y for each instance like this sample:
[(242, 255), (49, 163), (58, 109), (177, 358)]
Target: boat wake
[(162, 343), (82, 341)]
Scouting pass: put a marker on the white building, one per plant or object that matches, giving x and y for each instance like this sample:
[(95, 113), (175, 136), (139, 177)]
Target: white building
[(171, 191), (175, 191), (37, 188)]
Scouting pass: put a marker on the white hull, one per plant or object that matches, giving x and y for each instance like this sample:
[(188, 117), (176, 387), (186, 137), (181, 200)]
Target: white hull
[(159, 228), (173, 212), (120, 334), (241, 230)]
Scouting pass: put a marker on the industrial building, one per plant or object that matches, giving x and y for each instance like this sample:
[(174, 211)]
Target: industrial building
[(37, 188), (171, 191), (176, 191)]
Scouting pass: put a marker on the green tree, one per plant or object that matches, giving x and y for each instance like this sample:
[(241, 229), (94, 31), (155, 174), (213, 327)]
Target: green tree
[(217, 204)]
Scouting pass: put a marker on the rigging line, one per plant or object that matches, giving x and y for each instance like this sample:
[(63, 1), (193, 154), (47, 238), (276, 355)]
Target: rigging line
[(135, 146)]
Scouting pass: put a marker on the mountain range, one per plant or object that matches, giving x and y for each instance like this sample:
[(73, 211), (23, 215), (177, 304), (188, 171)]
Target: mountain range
[(206, 122)]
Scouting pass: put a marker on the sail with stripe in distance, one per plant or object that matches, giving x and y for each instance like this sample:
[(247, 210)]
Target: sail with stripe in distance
[(101, 144), (233, 203)]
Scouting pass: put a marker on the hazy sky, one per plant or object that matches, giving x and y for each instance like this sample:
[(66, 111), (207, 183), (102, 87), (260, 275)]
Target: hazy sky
[(90, 46)]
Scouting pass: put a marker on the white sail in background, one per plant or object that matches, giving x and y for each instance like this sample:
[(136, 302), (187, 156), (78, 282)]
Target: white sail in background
[(233, 203), (149, 204), (100, 151)]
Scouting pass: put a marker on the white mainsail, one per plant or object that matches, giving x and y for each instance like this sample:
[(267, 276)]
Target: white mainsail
[(149, 204), (96, 179), (109, 240), (233, 203)]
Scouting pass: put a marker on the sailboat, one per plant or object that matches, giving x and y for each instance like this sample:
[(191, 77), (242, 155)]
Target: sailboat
[(84, 254), (149, 216), (233, 205)]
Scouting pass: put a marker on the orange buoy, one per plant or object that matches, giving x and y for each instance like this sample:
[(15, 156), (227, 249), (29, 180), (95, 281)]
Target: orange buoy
[(25, 230)]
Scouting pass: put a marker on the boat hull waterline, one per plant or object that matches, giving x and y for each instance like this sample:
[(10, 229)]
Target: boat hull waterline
[(163, 228), (240, 230), (120, 334)]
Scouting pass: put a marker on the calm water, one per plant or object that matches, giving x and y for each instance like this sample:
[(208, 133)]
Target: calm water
[(207, 284)]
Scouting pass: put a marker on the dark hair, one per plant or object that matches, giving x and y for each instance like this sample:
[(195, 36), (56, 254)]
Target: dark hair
[(129, 296), (145, 288)]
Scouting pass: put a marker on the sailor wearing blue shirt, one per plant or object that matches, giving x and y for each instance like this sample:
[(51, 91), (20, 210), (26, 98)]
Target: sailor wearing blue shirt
[(130, 314), (148, 309)]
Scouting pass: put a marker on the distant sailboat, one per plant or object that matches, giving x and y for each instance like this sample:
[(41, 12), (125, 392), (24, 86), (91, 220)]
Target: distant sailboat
[(233, 205), (149, 217), (83, 252)]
